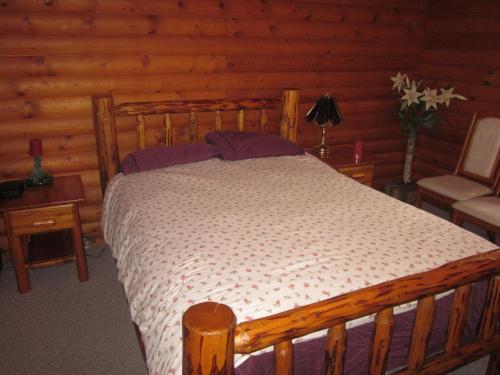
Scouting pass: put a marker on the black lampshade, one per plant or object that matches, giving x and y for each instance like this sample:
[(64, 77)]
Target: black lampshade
[(325, 112)]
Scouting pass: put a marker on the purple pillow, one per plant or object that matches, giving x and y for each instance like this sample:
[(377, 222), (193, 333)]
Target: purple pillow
[(160, 157), (241, 145)]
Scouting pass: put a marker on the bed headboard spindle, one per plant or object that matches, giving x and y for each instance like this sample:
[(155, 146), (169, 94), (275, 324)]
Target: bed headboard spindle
[(104, 112), (106, 138), (169, 135), (141, 132)]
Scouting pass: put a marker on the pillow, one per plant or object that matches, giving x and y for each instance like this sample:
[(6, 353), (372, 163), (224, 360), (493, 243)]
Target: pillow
[(241, 145), (160, 157)]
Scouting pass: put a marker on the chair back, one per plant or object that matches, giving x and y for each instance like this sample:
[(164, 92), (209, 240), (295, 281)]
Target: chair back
[(480, 155)]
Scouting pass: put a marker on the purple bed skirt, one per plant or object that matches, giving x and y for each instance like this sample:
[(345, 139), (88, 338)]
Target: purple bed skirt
[(309, 356)]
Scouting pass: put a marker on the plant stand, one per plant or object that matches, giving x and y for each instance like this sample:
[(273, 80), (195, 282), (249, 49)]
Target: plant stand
[(399, 190)]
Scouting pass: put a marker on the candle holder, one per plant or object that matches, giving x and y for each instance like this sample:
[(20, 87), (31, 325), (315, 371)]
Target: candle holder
[(358, 150), (38, 177)]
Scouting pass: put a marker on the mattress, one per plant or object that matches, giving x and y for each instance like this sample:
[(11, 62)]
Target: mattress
[(262, 236)]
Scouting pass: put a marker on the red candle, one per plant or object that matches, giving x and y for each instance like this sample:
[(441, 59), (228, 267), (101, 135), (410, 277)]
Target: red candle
[(36, 147), (358, 150)]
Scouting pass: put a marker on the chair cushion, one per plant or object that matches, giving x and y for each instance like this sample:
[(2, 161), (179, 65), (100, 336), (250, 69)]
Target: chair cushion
[(454, 187), (484, 208)]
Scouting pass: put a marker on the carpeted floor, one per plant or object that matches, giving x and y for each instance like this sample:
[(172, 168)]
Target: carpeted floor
[(64, 327)]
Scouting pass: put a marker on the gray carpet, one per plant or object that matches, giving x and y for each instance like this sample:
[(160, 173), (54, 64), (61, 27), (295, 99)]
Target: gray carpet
[(66, 327)]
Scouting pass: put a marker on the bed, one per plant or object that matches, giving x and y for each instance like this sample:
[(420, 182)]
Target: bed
[(280, 245)]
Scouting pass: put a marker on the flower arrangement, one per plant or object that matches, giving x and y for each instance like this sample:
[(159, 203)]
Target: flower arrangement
[(417, 109)]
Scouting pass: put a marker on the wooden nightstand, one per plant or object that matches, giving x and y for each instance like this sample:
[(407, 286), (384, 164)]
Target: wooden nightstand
[(342, 159), (43, 226)]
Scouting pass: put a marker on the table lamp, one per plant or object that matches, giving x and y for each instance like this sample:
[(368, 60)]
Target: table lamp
[(38, 177), (325, 113)]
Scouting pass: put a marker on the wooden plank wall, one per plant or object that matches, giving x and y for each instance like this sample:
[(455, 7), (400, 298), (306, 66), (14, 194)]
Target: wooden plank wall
[(55, 54), (462, 49)]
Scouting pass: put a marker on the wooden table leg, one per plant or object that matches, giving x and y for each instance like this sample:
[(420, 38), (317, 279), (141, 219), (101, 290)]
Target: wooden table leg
[(18, 260), (81, 261)]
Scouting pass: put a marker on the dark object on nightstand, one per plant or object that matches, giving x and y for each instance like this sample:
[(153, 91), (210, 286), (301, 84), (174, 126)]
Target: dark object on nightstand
[(11, 189)]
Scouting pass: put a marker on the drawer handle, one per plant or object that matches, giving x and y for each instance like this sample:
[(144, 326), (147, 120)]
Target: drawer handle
[(44, 222), (358, 175)]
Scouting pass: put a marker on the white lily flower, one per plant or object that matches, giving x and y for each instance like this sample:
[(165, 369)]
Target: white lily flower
[(399, 81), (447, 95), (430, 98), (411, 95)]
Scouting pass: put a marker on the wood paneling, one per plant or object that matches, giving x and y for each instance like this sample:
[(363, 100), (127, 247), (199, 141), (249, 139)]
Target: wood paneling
[(462, 51), (54, 57)]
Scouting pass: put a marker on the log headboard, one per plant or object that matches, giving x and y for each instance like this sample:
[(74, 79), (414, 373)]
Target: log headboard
[(105, 112)]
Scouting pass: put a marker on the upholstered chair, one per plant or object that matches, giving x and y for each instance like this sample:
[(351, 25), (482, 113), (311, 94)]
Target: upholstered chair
[(476, 171), (482, 211)]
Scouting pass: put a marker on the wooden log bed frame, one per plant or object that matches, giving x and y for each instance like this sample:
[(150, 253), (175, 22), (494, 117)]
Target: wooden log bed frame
[(211, 335)]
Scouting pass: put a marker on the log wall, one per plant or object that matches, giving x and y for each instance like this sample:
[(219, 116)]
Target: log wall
[(462, 49), (55, 54)]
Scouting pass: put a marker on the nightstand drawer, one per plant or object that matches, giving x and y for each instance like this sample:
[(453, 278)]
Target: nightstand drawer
[(363, 174), (42, 219)]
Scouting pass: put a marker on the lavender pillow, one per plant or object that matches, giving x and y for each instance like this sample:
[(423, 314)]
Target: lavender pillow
[(241, 145), (160, 157)]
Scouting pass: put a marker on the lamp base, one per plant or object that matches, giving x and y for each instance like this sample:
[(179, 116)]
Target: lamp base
[(41, 181), (322, 150)]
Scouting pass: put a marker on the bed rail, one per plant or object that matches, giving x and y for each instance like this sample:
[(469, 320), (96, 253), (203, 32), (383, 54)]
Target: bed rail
[(211, 336), (105, 112)]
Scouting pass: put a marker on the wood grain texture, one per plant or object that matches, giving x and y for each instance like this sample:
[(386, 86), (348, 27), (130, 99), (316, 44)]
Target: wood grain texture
[(457, 319), (422, 327), (106, 138), (441, 364), (489, 321), (55, 56), (202, 320), (263, 121), (208, 336), (241, 120), (168, 130), (283, 358), (384, 325), (42, 210), (260, 333), (289, 115), (105, 122), (151, 108), (458, 51), (193, 127), (141, 133), (335, 350)]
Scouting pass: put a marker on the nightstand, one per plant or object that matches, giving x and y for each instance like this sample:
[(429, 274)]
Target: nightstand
[(43, 227), (342, 159)]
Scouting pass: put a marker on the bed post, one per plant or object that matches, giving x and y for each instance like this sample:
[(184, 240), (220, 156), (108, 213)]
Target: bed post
[(208, 339), (106, 139), (290, 114)]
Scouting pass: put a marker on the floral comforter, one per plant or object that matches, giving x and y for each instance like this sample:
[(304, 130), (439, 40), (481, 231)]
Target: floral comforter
[(262, 236)]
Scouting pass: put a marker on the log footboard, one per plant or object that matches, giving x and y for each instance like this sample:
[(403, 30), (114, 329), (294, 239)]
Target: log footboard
[(211, 335), (208, 339)]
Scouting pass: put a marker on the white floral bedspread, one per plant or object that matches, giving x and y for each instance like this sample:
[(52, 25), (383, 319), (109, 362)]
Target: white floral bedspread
[(262, 236)]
